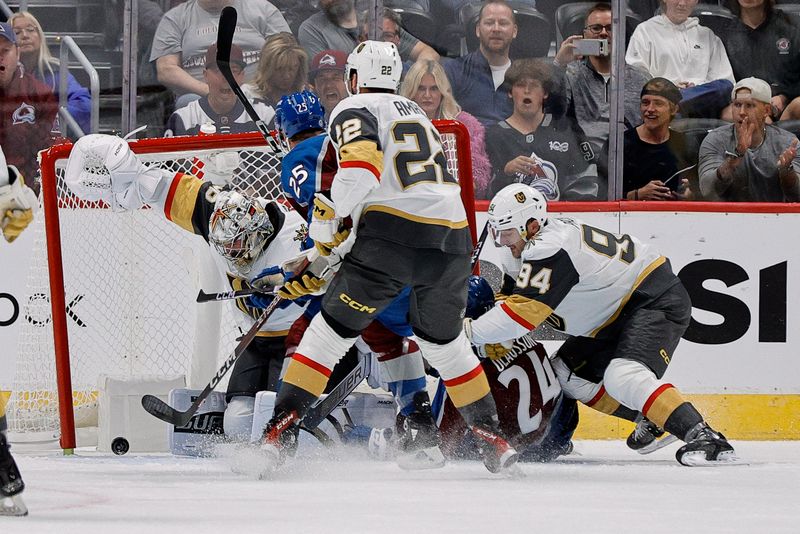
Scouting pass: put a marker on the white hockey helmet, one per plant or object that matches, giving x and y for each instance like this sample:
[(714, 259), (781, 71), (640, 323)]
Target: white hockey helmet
[(239, 228), (511, 209), (377, 64)]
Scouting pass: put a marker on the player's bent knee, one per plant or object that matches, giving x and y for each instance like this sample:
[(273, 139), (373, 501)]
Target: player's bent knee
[(238, 419), (630, 382), (451, 359), (323, 344), (574, 386)]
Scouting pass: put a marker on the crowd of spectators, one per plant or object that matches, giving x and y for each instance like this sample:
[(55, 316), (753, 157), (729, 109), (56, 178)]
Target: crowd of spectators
[(544, 121)]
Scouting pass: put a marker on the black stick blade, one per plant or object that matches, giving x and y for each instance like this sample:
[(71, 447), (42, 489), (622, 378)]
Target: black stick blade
[(158, 408), (227, 26)]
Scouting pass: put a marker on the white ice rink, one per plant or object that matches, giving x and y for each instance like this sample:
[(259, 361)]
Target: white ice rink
[(605, 488)]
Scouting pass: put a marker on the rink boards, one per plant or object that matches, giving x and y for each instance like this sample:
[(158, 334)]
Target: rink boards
[(738, 360)]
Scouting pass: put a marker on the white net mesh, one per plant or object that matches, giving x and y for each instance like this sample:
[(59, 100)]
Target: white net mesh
[(130, 284)]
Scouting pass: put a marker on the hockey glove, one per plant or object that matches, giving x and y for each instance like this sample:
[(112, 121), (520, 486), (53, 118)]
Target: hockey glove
[(306, 284), (325, 228), (14, 222), (497, 351), (269, 279)]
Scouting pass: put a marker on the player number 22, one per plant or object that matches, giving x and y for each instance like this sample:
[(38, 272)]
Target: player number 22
[(548, 386)]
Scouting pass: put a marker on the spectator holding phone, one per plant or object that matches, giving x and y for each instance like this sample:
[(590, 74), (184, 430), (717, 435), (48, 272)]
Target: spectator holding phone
[(588, 79), (656, 163), (749, 160)]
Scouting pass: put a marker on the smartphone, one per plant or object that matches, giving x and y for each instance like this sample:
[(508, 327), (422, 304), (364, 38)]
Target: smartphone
[(674, 182), (591, 47)]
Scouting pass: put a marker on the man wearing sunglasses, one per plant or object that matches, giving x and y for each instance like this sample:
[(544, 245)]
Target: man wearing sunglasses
[(588, 80)]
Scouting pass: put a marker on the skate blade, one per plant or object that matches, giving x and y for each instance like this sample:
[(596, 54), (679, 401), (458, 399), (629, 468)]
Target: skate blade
[(13, 506), (658, 444), (430, 458), (698, 459)]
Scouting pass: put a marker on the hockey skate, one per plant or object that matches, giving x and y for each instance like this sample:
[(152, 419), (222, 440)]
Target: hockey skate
[(418, 437), (648, 437), (279, 440), (11, 484), (705, 446), (498, 454)]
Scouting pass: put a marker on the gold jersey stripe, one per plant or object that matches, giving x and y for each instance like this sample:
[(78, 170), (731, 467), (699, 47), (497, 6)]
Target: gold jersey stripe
[(531, 311), (181, 200), (273, 333), (363, 151), (658, 262), (305, 377), (417, 218), (470, 391)]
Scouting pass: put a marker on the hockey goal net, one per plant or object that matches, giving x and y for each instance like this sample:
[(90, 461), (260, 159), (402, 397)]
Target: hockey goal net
[(113, 293)]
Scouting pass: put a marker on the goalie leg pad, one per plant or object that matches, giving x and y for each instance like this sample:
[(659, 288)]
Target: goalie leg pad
[(238, 420)]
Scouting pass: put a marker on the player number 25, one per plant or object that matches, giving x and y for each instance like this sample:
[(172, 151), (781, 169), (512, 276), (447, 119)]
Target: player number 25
[(548, 385), (298, 177)]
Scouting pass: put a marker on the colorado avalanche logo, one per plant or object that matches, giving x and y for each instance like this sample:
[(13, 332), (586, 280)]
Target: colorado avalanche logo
[(24, 113), (543, 178), (783, 44), (327, 59)]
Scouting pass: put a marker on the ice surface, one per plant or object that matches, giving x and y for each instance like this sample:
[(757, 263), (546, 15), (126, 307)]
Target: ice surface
[(605, 488)]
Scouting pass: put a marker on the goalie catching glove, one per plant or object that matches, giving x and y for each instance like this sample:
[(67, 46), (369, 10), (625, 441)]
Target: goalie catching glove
[(103, 167), (326, 228), (17, 201)]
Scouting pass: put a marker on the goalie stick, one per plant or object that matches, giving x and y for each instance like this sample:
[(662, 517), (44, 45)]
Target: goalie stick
[(323, 408), (158, 408), (202, 296), (227, 27)]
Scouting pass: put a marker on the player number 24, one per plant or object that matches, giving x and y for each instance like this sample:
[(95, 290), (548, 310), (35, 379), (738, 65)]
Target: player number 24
[(548, 385)]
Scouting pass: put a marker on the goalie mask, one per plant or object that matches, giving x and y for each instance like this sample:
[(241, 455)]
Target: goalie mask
[(239, 229), (297, 113), (511, 209), (377, 64)]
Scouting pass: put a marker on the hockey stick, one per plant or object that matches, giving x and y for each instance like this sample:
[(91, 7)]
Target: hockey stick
[(227, 27), (323, 408), (158, 408), (478, 248), (202, 296)]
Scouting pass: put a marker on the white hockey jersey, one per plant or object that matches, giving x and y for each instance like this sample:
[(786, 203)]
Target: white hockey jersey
[(393, 177), (577, 277)]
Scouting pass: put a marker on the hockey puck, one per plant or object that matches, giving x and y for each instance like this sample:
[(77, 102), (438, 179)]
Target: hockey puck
[(120, 446)]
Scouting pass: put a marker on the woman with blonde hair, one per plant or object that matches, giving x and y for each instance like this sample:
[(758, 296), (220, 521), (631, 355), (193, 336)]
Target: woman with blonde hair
[(426, 84), (282, 69), (36, 58)]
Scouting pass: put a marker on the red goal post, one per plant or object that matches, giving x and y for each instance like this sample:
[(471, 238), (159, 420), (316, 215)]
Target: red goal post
[(88, 248)]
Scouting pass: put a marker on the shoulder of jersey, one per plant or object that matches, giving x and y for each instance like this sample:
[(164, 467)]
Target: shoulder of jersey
[(556, 235), (308, 148)]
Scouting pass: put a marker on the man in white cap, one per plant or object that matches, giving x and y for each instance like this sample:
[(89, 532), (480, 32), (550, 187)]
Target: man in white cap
[(749, 160)]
